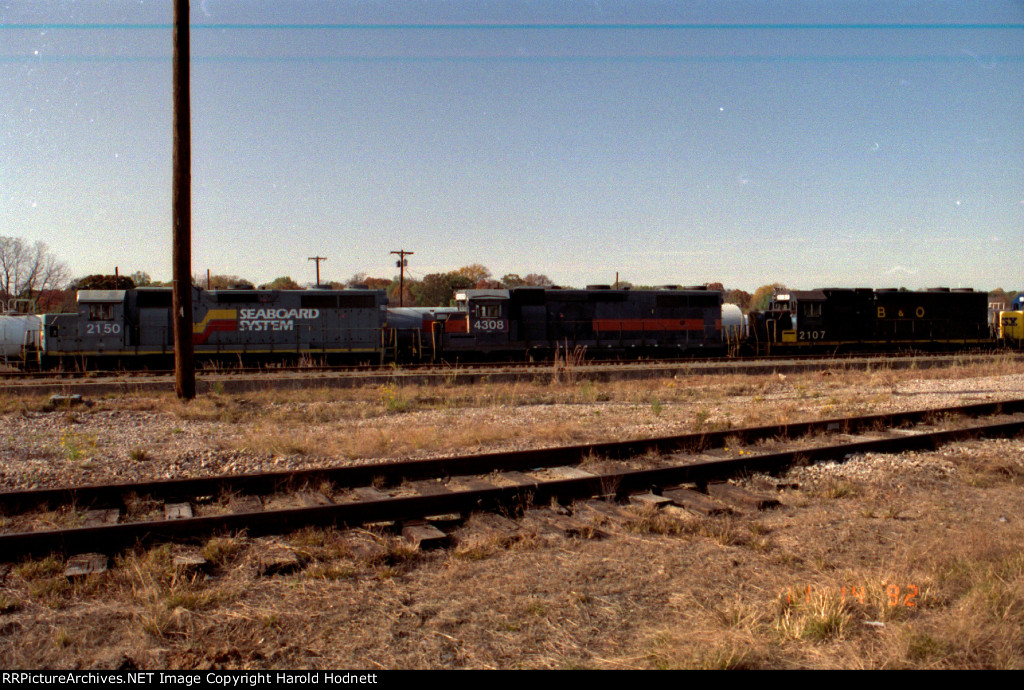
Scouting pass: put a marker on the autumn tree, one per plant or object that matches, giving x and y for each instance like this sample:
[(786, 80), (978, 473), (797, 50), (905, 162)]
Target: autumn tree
[(282, 283), (511, 280), (741, 298), (57, 301), (100, 281), (224, 282), (27, 269), (476, 273), (999, 296), (763, 295), (438, 289), (361, 279), (538, 280), (408, 295)]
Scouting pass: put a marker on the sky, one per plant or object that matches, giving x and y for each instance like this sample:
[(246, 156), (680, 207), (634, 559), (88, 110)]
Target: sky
[(816, 144)]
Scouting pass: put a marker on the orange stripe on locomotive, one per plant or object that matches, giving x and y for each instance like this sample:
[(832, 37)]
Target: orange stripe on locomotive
[(647, 325)]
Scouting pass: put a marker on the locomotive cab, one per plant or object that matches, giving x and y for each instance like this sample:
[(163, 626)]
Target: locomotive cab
[(481, 322), (101, 320)]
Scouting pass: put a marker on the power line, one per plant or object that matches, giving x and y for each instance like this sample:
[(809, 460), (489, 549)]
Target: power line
[(318, 259), (401, 263)]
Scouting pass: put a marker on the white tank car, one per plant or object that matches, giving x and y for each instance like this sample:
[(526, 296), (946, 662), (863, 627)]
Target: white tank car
[(16, 331), (733, 320)]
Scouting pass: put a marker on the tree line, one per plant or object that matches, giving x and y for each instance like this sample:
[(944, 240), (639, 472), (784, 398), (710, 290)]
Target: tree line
[(31, 272)]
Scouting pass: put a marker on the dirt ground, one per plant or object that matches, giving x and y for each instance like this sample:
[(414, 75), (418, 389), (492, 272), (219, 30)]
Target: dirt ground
[(911, 561)]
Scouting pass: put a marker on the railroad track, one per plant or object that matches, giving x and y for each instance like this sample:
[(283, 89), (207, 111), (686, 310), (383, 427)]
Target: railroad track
[(421, 495), (444, 366), (236, 381)]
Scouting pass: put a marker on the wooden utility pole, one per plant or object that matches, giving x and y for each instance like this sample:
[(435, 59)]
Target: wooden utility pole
[(181, 214), (401, 263), (318, 259)]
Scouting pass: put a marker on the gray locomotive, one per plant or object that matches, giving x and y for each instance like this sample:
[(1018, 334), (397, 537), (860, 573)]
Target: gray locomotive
[(135, 326)]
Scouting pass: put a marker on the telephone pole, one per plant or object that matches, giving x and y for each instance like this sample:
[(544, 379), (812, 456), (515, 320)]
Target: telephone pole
[(318, 259), (401, 263), (181, 213)]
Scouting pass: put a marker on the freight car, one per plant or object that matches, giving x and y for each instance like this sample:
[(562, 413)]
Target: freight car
[(134, 327), (19, 329), (667, 322), (861, 320)]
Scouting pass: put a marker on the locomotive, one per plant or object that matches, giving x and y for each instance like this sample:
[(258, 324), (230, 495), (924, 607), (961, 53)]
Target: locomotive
[(864, 320), (134, 327), (671, 321)]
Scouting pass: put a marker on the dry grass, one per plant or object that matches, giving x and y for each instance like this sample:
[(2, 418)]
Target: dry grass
[(660, 592), (825, 585)]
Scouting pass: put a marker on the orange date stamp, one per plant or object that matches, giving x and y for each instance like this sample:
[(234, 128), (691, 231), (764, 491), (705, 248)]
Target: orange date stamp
[(895, 595)]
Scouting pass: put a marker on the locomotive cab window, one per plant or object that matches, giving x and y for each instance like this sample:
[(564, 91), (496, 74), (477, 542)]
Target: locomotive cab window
[(101, 312), (489, 311), (812, 309)]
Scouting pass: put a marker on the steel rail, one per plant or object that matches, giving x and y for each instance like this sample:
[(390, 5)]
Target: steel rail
[(113, 538)]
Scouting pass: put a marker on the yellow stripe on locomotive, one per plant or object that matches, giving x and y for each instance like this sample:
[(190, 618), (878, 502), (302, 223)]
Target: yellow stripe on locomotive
[(1011, 325)]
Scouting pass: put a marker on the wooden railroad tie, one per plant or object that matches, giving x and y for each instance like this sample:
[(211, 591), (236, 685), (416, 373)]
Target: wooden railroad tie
[(730, 493)]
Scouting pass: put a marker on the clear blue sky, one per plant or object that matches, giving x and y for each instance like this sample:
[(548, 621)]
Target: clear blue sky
[(813, 143)]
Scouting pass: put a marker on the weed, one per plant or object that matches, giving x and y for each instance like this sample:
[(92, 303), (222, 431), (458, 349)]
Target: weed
[(588, 392), (651, 520), (725, 658), (535, 608), (921, 646), (724, 531), (50, 591), (190, 601), (331, 572), (823, 616), (656, 407), (700, 419), (893, 511), (71, 445), (43, 568), (8, 604), (220, 550), (392, 399), (138, 454), (837, 488)]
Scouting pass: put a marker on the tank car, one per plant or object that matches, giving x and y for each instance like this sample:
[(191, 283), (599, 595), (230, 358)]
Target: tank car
[(135, 326), (19, 332), (414, 333)]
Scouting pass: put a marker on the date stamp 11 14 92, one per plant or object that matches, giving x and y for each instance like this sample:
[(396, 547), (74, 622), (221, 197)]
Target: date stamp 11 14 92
[(895, 595)]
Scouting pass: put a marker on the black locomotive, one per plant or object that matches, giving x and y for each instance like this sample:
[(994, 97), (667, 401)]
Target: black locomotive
[(845, 320)]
